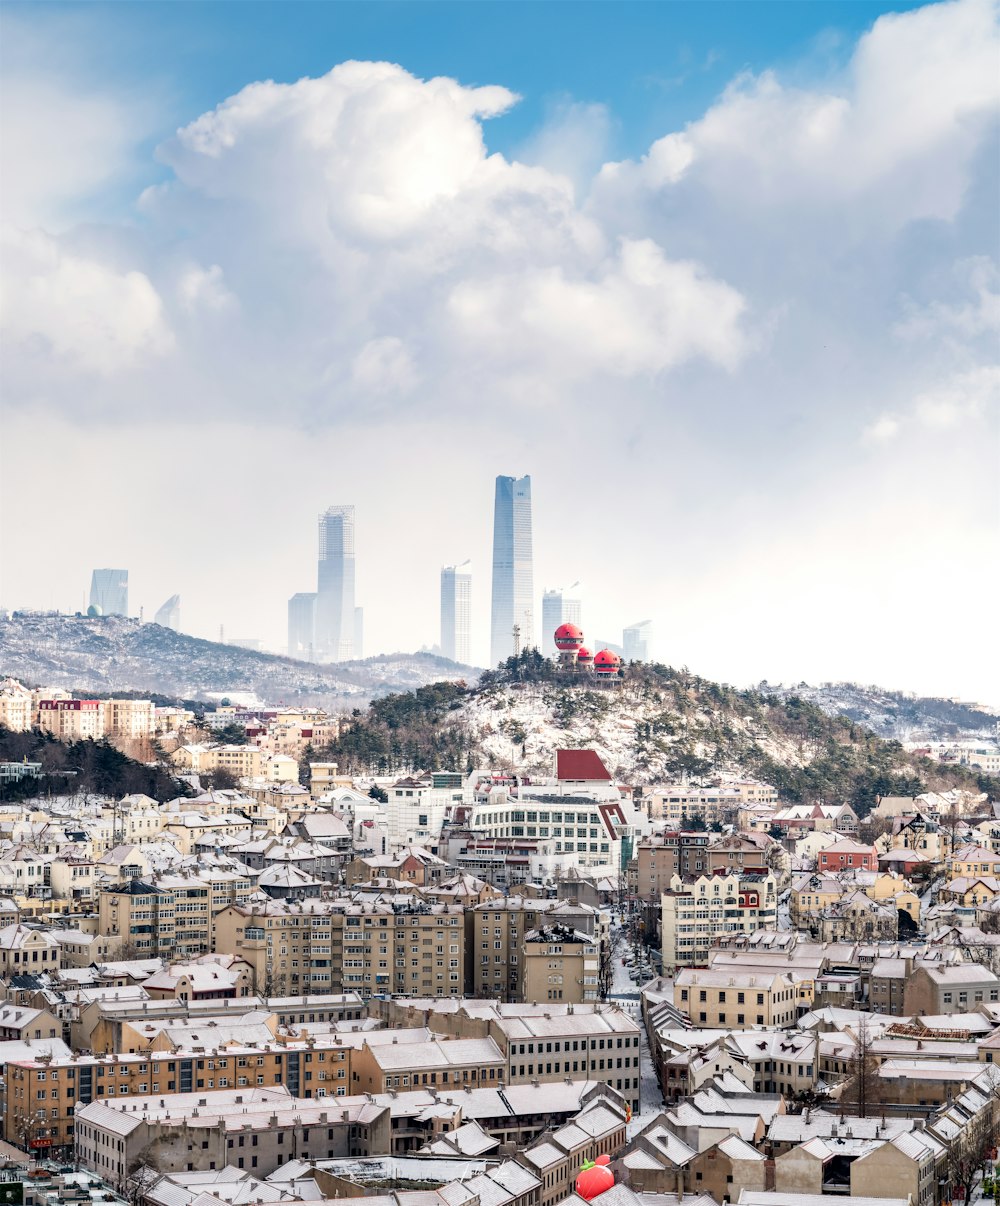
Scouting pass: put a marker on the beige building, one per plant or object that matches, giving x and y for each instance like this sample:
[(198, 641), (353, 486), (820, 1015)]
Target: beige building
[(25, 951), (130, 719), (736, 1000), (694, 915), (560, 964), (242, 761), (495, 940), (15, 706), (334, 946), (173, 915), (72, 719), (952, 988)]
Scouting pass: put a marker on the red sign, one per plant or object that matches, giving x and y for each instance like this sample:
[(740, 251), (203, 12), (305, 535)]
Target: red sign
[(40, 1143)]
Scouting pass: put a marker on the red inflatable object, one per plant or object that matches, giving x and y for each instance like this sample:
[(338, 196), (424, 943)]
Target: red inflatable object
[(594, 1179)]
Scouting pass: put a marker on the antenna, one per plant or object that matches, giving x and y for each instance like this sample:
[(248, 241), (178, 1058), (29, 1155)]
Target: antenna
[(516, 631), (222, 639)]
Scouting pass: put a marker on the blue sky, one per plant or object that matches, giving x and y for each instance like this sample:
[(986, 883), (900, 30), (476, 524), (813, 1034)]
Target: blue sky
[(724, 280), (655, 66)]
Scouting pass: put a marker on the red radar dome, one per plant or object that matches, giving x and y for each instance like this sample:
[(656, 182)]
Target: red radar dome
[(584, 655), (568, 636), (607, 662)]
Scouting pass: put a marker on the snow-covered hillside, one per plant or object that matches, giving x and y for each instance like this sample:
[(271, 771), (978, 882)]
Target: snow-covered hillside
[(112, 653), (894, 714)]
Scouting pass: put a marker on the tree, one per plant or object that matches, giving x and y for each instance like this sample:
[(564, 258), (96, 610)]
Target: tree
[(863, 1088), (967, 1151), (221, 779), (231, 734), (378, 793)]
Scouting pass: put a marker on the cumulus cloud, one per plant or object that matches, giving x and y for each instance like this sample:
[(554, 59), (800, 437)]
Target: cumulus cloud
[(343, 260), (76, 313)]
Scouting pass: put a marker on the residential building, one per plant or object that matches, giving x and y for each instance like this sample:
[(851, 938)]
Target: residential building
[(847, 855), (663, 857), (739, 1001), (560, 964), (456, 613), (329, 946), (949, 988), (15, 706), (513, 588), (693, 916), (72, 719), (496, 943)]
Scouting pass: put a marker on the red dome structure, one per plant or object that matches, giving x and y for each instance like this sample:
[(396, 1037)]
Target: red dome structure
[(584, 657), (607, 662), (568, 637), (594, 1179)]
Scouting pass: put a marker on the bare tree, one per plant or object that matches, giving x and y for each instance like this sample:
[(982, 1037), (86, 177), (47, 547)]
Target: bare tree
[(863, 1089), (968, 1151)]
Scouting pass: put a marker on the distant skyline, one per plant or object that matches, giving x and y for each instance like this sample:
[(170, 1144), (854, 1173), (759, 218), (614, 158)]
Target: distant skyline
[(722, 278)]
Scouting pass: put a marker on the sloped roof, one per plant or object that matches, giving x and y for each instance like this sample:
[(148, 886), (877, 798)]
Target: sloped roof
[(581, 764)]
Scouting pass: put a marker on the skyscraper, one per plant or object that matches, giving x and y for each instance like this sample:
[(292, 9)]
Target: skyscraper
[(335, 623), (559, 607), (169, 615), (301, 624), (109, 592), (636, 641), (513, 586), (456, 612)]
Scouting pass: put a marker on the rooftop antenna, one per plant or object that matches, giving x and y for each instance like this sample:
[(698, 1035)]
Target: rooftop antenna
[(222, 639)]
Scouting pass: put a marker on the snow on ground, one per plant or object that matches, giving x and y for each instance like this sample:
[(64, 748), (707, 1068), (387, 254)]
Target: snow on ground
[(604, 717)]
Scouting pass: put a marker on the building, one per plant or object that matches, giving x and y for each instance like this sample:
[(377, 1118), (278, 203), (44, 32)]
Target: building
[(693, 916), (513, 582), (496, 941), (413, 949), (667, 855), (847, 855), (15, 706), (636, 641), (559, 607), (169, 615), (951, 988), (131, 719), (335, 618), (72, 719), (301, 623), (560, 964), (109, 592), (456, 613), (257, 1129), (736, 1000)]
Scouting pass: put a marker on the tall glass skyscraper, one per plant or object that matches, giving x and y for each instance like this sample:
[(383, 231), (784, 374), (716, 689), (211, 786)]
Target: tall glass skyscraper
[(636, 640), (169, 615), (513, 582), (335, 623), (559, 607), (109, 591), (456, 613), (301, 626)]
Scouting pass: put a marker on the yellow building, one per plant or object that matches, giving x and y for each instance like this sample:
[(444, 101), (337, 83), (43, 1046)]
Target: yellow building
[(15, 706), (736, 1000)]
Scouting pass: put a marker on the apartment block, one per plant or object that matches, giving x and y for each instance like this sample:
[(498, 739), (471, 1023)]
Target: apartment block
[(720, 999), (667, 855), (499, 955), (333, 946), (694, 916)]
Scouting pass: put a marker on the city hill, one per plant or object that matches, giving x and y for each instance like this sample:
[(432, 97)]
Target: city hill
[(649, 723)]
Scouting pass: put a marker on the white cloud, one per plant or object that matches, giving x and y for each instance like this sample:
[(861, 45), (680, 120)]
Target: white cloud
[(74, 312), (882, 431), (682, 350)]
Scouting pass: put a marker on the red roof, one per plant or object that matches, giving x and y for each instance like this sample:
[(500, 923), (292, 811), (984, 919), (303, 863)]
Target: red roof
[(580, 764), (607, 658)]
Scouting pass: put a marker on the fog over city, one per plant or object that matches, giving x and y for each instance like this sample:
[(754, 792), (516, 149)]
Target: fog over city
[(749, 359)]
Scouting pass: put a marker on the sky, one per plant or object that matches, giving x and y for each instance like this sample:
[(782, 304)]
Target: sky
[(722, 277)]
